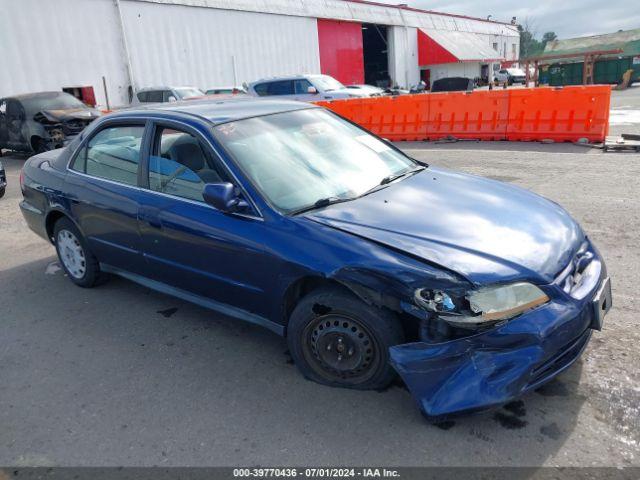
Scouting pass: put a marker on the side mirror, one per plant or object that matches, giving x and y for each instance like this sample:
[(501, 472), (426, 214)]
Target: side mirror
[(172, 99), (223, 197), (312, 90)]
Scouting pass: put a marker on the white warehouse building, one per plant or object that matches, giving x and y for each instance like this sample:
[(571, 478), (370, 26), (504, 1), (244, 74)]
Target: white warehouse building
[(103, 50)]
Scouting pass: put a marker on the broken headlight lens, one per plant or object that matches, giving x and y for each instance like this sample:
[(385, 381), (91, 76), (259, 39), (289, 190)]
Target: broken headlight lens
[(485, 305), (504, 301)]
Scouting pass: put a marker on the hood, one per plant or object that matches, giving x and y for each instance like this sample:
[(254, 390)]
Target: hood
[(485, 230), (63, 115), (349, 92)]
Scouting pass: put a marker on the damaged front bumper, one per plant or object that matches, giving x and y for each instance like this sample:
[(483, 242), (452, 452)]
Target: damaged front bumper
[(493, 367)]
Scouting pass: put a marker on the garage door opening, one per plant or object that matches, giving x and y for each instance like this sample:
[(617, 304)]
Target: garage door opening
[(376, 62)]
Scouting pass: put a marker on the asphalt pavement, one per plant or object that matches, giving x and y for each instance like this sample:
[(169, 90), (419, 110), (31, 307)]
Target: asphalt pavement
[(122, 375)]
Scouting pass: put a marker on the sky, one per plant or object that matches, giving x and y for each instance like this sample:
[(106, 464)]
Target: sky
[(568, 18)]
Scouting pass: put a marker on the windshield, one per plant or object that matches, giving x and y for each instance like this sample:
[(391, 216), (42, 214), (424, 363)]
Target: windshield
[(188, 93), (326, 83), (52, 101), (298, 158)]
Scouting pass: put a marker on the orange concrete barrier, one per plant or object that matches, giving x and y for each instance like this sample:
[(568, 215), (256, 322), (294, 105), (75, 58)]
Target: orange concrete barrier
[(349, 108), (564, 114), (403, 117), (561, 114), (481, 115)]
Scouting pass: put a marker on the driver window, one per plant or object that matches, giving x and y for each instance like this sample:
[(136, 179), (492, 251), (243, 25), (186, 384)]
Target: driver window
[(180, 166), (302, 86)]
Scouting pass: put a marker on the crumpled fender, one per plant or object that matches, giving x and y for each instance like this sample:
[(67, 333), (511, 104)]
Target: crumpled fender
[(494, 367)]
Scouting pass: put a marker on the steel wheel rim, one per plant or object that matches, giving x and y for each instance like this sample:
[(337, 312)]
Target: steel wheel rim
[(341, 349), (71, 254)]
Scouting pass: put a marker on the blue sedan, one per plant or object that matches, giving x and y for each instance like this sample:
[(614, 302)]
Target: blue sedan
[(370, 263)]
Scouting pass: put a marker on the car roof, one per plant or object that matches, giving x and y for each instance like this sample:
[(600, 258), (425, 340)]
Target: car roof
[(164, 87), (289, 77), (219, 111), (36, 95)]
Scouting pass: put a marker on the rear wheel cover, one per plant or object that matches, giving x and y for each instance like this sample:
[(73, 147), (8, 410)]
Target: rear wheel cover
[(71, 254)]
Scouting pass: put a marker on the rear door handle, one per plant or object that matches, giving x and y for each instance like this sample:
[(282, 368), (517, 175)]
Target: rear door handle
[(150, 217), (154, 222)]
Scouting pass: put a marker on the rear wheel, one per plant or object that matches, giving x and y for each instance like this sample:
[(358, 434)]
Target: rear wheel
[(338, 340), (2, 190), (79, 263)]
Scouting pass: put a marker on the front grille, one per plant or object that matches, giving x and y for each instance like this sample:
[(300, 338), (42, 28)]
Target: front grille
[(581, 275), (74, 127)]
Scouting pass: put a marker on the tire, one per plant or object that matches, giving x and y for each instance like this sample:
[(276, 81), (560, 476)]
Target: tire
[(338, 340), (77, 260), (2, 191), (40, 146)]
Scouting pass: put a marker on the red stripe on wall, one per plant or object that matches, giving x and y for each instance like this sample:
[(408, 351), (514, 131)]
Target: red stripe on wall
[(341, 54), (431, 53)]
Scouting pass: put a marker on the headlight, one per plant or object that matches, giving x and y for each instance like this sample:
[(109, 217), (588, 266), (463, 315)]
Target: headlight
[(485, 305), (505, 301)]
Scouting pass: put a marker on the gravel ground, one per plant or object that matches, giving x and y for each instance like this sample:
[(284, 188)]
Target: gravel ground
[(121, 375)]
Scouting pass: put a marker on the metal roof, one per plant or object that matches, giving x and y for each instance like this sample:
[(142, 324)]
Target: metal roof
[(628, 41), (357, 11), (465, 46)]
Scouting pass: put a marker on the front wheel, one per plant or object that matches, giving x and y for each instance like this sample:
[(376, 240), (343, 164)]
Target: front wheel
[(78, 262), (336, 339), (2, 190), (40, 146)]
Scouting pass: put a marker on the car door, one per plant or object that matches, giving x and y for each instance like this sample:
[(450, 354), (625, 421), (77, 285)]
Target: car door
[(103, 192), (3, 123), (301, 88), (16, 125), (188, 244)]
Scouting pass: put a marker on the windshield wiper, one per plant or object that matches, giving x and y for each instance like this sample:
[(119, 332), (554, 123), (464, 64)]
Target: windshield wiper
[(391, 178), (323, 202), (396, 176), (388, 179)]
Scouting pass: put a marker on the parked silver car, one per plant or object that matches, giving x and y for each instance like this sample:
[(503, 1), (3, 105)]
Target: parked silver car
[(165, 94), (306, 88), (368, 89)]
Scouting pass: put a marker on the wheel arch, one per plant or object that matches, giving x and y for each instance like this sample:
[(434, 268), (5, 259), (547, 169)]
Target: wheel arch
[(33, 139), (52, 218), (372, 292)]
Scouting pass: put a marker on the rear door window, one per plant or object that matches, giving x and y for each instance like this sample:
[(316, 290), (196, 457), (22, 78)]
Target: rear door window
[(154, 96), (113, 154), (282, 87), (142, 96)]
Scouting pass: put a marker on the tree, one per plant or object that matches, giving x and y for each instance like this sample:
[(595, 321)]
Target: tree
[(529, 46), (548, 37)]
